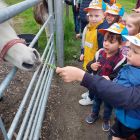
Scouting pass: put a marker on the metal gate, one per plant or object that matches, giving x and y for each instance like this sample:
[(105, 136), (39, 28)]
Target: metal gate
[(36, 97)]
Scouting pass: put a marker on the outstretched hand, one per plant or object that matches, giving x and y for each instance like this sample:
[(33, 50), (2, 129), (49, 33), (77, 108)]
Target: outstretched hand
[(69, 73)]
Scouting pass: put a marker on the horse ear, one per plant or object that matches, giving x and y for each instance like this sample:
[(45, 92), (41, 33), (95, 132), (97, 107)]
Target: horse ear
[(39, 10)]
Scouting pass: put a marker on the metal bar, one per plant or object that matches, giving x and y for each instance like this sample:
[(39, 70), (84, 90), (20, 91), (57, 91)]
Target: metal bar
[(36, 117), (18, 114), (44, 95), (51, 13), (59, 32), (7, 81), (40, 119), (3, 129), (11, 11), (31, 103)]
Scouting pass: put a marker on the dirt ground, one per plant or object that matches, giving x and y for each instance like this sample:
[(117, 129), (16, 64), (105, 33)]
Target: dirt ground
[(64, 117)]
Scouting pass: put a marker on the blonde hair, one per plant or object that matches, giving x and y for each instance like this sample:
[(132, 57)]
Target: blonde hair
[(135, 20)]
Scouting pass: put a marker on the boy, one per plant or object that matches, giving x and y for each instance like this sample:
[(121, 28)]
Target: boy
[(108, 62), (128, 121), (96, 16), (89, 38)]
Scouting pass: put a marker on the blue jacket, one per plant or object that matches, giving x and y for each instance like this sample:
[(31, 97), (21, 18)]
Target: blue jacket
[(104, 89), (129, 76)]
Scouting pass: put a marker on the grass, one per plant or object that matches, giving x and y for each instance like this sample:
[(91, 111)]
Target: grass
[(71, 45), (128, 5)]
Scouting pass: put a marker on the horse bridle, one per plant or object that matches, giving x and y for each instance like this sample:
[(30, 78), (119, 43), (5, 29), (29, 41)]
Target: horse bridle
[(10, 44)]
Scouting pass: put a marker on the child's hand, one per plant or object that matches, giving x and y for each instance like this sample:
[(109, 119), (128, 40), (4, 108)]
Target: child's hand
[(106, 77), (95, 66), (81, 57), (69, 73)]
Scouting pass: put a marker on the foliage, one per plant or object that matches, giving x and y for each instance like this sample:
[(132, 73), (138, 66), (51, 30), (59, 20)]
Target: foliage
[(71, 45)]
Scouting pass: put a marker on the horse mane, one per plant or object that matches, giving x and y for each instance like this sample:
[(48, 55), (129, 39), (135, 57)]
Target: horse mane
[(40, 12), (2, 4)]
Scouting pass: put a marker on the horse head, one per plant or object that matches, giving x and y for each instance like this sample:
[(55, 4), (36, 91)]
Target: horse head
[(18, 53)]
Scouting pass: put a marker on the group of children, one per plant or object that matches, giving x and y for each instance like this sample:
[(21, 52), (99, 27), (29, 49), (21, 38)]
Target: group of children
[(111, 49)]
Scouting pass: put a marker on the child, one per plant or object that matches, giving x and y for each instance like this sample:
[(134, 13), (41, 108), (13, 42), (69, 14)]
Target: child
[(83, 17), (107, 63), (90, 45), (133, 23), (128, 121), (89, 38), (133, 27), (112, 14)]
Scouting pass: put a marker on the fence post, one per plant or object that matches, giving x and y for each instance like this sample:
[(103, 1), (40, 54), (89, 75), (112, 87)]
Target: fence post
[(51, 13), (59, 32)]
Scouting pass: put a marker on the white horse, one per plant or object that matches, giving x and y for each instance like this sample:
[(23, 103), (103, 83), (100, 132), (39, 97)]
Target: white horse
[(14, 50)]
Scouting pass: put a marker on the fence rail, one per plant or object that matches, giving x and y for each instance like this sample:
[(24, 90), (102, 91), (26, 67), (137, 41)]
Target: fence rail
[(36, 97)]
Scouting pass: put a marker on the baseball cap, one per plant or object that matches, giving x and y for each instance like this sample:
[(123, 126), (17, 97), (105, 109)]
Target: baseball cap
[(96, 4), (133, 39), (116, 28), (115, 9)]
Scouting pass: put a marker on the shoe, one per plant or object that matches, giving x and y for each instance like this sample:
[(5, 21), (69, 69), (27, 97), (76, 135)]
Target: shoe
[(106, 126), (86, 101), (84, 95), (91, 118)]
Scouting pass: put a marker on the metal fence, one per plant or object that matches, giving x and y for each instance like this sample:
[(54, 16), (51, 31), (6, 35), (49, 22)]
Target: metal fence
[(35, 98)]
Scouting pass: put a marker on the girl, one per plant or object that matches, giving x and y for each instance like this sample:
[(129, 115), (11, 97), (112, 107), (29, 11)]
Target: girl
[(133, 26)]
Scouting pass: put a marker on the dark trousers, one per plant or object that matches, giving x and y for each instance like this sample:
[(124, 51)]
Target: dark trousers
[(107, 108), (91, 95), (76, 19), (83, 25)]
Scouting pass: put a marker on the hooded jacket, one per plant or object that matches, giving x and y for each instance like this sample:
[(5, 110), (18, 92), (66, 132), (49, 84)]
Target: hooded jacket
[(129, 77)]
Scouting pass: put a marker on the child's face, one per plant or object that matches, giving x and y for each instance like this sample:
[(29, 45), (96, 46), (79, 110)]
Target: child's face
[(132, 30), (133, 55), (95, 16), (110, 18), (111, 44)]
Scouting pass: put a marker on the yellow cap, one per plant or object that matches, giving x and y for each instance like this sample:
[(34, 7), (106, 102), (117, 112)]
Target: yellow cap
[(96, 4), (133, 39), (115, 9), (116, 28)]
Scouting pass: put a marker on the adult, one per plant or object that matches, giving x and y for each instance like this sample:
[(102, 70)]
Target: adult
[(75, 9)]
